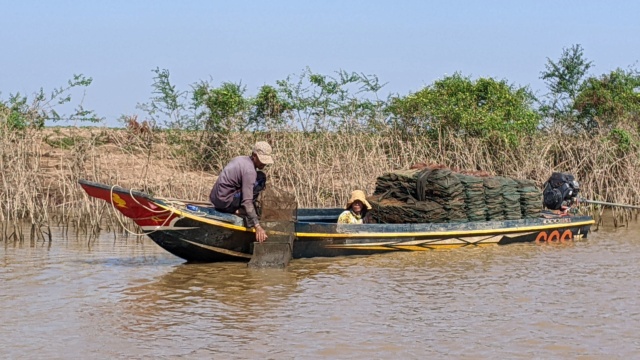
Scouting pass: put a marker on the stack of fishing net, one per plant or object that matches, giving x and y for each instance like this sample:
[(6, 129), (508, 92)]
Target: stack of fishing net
[(530, 198), (394, 211), (395, 200), (443, 186), (436, 194), (511, 195), (474, 204), (493, 198), (400, 184), (429, 194)]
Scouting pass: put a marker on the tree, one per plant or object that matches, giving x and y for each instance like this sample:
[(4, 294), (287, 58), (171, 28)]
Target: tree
[(225, 106), (564, 80), (346, 101), (608, 101), (268, 107), (168, 106), (459, 106), (23, 113)]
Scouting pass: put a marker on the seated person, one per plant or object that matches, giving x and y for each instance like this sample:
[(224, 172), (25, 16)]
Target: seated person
[(356, 209), (239, 184)]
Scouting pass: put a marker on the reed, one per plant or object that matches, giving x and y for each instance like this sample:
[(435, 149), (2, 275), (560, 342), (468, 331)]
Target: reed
[(40, 169)]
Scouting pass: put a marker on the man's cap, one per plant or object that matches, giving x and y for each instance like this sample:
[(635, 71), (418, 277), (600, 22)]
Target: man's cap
[(262, 149)]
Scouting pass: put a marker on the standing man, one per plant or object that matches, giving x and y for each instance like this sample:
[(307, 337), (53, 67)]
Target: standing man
[(235, 186)]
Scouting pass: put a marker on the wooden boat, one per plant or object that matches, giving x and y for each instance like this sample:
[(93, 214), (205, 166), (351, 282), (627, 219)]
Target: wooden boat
[(198, 233)]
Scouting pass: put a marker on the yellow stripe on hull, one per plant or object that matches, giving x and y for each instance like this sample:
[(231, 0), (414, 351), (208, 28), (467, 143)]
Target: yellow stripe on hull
[(460, 233), (449, 233)]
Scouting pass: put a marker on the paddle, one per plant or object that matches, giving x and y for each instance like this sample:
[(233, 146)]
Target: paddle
[(609, 204)]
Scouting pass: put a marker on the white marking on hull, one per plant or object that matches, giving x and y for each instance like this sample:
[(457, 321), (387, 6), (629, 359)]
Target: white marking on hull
[(218, 249), (170, 226), (165, 228)]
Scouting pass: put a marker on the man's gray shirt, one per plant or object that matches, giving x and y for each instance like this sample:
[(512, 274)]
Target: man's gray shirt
[(238, 176)]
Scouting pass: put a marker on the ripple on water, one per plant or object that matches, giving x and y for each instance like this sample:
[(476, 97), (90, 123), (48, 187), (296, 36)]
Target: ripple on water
[(127, 298)]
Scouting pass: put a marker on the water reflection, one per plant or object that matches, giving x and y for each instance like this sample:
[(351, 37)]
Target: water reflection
[(229, 291), (215, 303)]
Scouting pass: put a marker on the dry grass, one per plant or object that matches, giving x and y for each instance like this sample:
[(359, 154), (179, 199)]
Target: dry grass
[(41, 168)]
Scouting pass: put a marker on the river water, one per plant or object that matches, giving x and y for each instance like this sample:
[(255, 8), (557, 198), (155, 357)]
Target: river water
[(125, 298)]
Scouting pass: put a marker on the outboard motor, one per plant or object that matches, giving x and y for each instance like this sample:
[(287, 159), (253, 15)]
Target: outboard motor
[(560, 190)]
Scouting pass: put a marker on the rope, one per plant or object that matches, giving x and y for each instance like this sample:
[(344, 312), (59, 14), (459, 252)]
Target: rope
[(139, 203), (183, 201), (143, 206), (422, 180)]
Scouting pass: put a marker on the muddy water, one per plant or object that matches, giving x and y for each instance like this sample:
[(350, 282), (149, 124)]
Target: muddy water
[(126, 298)]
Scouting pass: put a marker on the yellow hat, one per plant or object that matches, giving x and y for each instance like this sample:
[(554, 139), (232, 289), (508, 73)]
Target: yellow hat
[(358, 195)]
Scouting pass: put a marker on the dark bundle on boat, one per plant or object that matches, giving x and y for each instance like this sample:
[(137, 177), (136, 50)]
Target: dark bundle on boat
[(530, 198), (461, 196), (493, 198), (393, 211), (473, 197), (424, 184), (400, 184), (511, 196), (443, 186)]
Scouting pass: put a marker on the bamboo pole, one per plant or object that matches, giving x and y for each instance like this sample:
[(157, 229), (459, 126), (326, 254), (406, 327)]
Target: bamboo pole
[(609, 204)]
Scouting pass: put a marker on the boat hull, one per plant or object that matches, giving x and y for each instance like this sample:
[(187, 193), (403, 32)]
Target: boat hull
[(200, 234)]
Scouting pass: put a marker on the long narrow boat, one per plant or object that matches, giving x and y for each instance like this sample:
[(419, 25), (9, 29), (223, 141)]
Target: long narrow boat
[(198, 233)]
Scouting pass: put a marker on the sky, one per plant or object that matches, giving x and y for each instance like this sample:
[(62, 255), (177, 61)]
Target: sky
[(408, 44)]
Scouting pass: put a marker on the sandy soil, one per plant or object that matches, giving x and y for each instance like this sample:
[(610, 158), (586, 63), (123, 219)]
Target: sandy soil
[(119, 157)]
